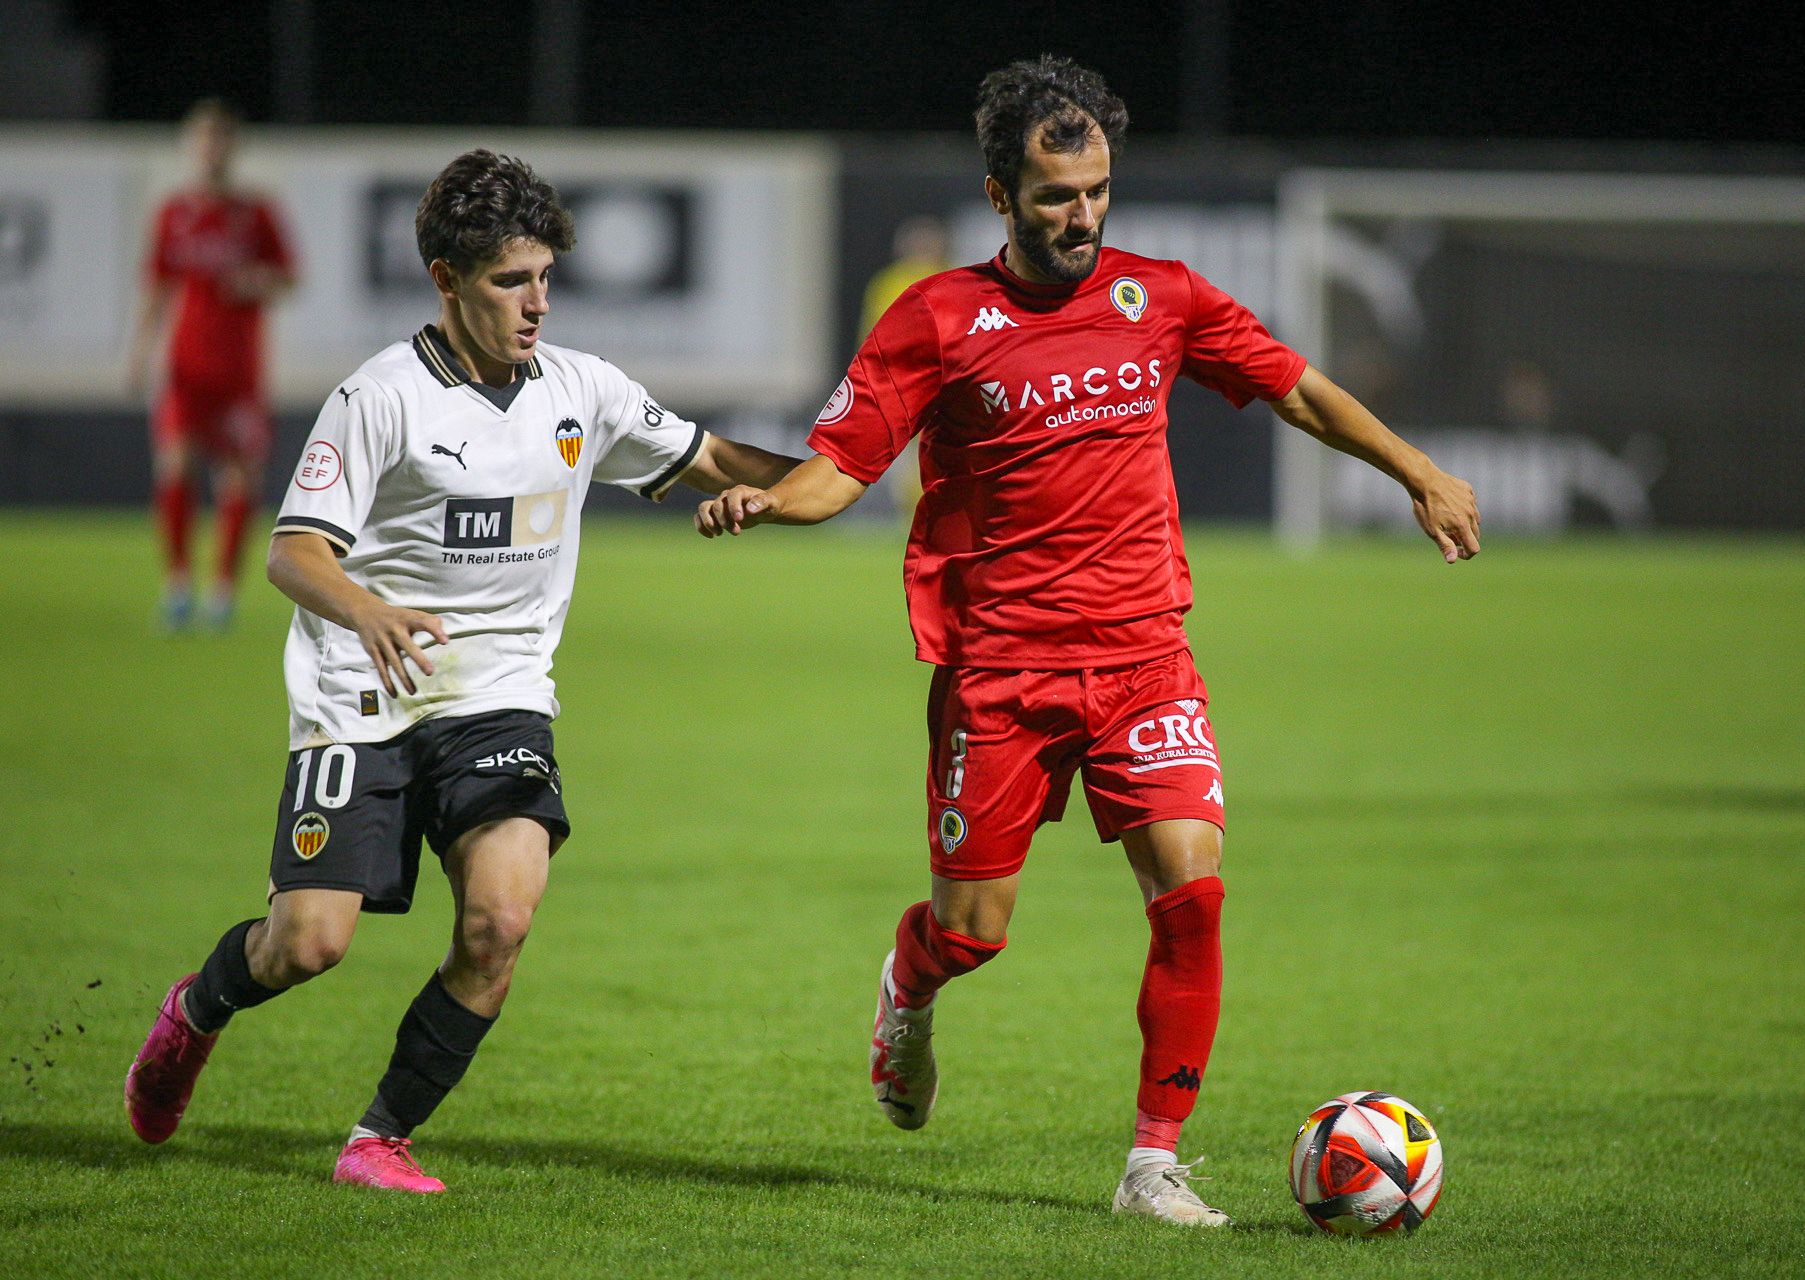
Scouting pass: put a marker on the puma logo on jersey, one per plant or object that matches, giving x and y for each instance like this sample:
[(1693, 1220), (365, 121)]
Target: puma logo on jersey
[(346, 394), (459, 455), (989, 319)]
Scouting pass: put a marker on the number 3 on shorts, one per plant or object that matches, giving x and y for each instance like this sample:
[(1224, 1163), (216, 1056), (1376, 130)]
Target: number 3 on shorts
[(955, 773), (328, 793)]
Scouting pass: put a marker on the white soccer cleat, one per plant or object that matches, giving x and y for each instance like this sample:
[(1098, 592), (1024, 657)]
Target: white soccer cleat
[(1161, 1191), (903, 1075)]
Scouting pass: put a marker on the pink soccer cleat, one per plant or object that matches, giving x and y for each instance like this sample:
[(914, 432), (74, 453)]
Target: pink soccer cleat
[(383, 1162), (161, 1080)]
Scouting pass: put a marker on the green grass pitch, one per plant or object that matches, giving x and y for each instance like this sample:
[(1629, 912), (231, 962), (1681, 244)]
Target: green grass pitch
[(1520, 841)]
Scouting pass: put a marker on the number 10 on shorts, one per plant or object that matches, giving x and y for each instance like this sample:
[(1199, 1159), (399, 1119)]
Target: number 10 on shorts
[(332, 785)]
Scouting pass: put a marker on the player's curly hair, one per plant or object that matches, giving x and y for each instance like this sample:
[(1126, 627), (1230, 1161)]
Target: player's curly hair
[(482, 202), (1051, 98)]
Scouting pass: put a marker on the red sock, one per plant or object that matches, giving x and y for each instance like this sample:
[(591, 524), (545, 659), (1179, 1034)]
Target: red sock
[(1181, 996), (234, 514), (174, 502), (928, 957)]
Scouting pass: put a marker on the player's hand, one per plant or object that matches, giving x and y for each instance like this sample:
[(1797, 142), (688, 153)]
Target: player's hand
[(254, 282), (734, 511), (388, 634), (1448, 511)]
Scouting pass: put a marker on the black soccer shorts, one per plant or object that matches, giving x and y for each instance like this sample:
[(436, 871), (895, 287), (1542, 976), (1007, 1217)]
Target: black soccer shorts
[(353, 814)]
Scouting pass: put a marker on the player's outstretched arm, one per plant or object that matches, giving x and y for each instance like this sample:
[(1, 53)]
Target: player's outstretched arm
[(302, 567), (1444, 504), (816, 490), (722, 463)]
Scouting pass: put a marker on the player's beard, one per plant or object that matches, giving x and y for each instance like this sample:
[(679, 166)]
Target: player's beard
[(1053, 256)]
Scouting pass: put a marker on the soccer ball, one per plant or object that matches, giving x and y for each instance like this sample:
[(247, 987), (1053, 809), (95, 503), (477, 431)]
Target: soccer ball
[(1365, 1164)]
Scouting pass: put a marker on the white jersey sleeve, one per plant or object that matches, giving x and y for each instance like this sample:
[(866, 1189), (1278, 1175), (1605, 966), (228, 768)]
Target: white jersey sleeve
[(645, 446), (354, 440)]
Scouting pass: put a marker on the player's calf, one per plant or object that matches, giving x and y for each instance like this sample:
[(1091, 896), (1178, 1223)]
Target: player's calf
[(434, 1045)]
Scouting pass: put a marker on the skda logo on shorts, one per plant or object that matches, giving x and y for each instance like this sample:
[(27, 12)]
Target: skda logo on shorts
[(531, 764), (310, 834), (952, 830)]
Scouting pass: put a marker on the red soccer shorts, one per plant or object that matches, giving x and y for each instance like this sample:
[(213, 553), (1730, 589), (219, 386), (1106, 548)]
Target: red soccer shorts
[(1005, 744), (223, 426)]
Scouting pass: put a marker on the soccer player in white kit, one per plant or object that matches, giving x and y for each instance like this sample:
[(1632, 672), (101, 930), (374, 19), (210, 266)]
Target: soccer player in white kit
[(429, 542)]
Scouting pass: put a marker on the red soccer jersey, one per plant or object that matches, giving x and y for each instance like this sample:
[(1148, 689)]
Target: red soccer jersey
[(201, 241), (1047, 537)]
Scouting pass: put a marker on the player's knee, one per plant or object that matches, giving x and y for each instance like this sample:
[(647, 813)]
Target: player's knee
[(492, 936), (310, 952)]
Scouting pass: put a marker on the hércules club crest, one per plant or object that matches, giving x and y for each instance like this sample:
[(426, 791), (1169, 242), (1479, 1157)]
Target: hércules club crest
[(569, 436)]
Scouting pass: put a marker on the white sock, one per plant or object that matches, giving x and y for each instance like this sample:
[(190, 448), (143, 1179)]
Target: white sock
[(1140, 1156), (358, 1131)]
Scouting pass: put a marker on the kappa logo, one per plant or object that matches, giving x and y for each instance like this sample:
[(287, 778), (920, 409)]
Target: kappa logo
[(1190, 705), (990, 319), (569, 436), (310, 834), (1186, 1077), (1129, 296), (1214, 794), (995, 396)]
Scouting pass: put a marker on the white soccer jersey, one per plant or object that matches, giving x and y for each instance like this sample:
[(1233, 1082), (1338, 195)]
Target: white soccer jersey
[(463, 501)]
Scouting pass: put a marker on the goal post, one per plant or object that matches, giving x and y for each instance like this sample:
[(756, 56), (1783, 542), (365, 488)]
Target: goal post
[(1551, 331)]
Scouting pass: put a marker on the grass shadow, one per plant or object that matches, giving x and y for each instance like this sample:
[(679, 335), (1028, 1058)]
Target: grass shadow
[(281, 1152)]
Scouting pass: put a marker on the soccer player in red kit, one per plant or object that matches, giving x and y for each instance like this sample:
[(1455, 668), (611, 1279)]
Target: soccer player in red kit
[(1047, 581), (218, 256)]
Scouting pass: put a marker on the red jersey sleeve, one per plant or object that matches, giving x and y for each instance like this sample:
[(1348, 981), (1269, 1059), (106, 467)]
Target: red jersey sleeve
[(272, 239), (878, 406), (1228, 350)]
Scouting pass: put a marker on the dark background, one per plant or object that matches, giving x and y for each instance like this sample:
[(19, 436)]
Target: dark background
[(1272, 68), (1226, 96)]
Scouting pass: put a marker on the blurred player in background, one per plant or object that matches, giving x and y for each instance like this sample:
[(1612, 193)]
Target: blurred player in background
[(218, 257), (1047, 580), (921, 251), (437, 500)]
